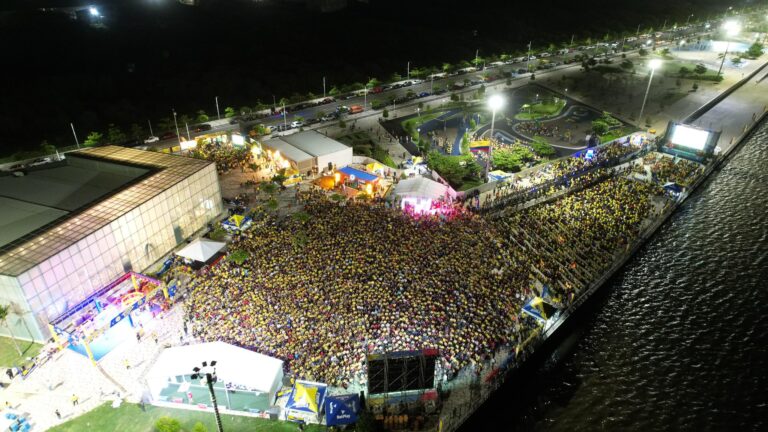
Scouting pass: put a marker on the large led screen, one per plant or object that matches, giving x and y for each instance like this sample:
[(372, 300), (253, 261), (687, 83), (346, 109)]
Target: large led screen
[(689, 137)]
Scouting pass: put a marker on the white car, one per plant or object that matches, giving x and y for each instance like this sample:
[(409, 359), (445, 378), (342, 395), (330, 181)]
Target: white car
[(297, 124), (152, 139)]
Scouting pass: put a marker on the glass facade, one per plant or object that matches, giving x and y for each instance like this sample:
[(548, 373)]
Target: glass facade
[(175, 203)]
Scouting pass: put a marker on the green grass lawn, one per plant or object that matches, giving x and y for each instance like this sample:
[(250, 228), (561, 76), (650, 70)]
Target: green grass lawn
[(672, 68), (130, 418), (10, 357), (541, 110)]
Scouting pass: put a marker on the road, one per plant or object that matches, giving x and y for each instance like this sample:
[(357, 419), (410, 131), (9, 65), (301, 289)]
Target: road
[(425, 86)]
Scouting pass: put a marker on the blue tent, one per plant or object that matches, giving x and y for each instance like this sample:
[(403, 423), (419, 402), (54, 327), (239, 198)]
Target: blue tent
[(341, 409), (359, 175), (305, 400)]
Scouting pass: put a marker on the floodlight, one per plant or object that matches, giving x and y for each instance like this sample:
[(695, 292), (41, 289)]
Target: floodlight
[(196, 369), (93, 11), (205, 364), (495, 102), (213, 363), (732, 28), (654, 64)]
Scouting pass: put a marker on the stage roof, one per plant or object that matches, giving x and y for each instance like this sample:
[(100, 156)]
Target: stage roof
[(234, 364), (201, 249), (287, 150), (421, 187), (314, 143), (91, 189)]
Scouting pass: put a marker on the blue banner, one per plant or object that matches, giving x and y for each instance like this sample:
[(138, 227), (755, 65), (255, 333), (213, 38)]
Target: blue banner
[(341, 409)]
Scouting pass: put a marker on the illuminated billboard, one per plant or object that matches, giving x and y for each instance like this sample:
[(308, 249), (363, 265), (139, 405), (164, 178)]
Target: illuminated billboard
[(687, 136), (689, 141)]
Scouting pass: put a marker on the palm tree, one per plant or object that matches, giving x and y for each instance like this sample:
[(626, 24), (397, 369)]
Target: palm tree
[(4, 311)]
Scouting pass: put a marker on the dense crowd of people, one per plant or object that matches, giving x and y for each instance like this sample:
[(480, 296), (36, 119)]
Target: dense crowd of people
[(555, 176), (667, 169), (226, 157), (349, 279)]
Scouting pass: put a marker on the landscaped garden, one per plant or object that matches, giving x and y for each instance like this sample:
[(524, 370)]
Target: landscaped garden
[(9, 356), (541, 110)]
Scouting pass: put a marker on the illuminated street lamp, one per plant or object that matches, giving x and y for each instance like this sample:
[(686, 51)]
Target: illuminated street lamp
[(731, 28), (495, 102), (209, 373), (653, 65), (177, 125)]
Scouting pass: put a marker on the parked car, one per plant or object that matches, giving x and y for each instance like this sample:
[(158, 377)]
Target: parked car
[(40, 161), (18, 166), (202, 127), (151, 139), (328, 100), (167, 136), (423, 94), (297, 124)]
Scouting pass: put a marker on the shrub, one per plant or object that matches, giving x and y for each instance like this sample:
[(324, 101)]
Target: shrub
[(199, 427), (238, 256), (542, 148), (167, 424)]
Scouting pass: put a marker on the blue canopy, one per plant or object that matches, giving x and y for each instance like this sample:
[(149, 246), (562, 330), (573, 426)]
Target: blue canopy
[(359, 175), (306, 397), (341, 409)]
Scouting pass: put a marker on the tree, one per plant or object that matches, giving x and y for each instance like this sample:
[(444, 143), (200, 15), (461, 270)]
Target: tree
[(512, 159), (448, 68), (736, 60), (665, 52), (199, 427), (202, 117), (239, 256), (642, 52), (373, 82), (47, 148), (342, 123), (165, 124), (137, 132), (395, 77), (755, 50), (700, 69), (115, 135), (229, 112), (695, 86), (4, 311), (542, 147), (684, 72), (599, 127), (385, 113), (298, 118), (627, 65), (167, 424), (93, 139), (319, 114), (185, 119), (334, 91), (454, 97)]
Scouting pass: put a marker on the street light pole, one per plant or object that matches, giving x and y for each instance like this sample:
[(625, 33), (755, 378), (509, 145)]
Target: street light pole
[(177, 125), (408, 71), (494, 102), (149, 122), (189, 136), (688, 20), (528, 58), (218, 114), (73, 133), (653, 64), (285, 120), (637, 33), (432, 84), (209, 372), (323, 87), (727, 45), (664, 26)]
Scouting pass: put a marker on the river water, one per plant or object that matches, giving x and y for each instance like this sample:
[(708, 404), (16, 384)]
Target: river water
[(679, 339)]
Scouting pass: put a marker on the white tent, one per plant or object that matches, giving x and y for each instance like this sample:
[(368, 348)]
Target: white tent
[(421, 187), (201, 249), (235, 365)]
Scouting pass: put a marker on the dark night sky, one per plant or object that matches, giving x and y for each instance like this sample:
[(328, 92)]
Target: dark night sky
[(155, 54)]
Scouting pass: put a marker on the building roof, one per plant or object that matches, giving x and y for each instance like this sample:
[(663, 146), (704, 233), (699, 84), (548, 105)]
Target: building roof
[(359, 175), (421, 187), (314, 143), (234, 364), (124, 178), (287, 150)]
